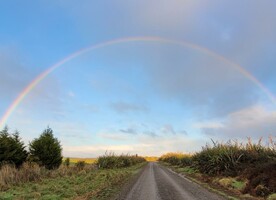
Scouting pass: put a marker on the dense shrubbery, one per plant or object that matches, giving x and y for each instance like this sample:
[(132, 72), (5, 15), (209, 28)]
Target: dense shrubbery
[(111, 160), (232, 158), (46, 150), (12, 149), (255, 162)]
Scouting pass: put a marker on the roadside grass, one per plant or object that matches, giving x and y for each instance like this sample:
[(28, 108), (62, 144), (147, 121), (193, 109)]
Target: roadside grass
[(239, 185), (93, 184), (272, 197), (241, 168), (187, 170), (206, 182), (11, 176)]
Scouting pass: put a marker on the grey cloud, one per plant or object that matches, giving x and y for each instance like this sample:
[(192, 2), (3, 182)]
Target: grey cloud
[(240, 31), (129, 131), (122, 107), (168, 129), (150, 133), (252, 122), (205, 83), (183, 132)]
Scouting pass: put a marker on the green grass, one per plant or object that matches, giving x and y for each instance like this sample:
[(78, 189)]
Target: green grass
[(239, 185), (272, 197), (95, 184), (186, 170)]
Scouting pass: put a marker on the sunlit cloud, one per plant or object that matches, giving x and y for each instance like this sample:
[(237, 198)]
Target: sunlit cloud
[(255, 122)]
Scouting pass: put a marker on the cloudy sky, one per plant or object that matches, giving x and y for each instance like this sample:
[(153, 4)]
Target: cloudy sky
[(217, 79)]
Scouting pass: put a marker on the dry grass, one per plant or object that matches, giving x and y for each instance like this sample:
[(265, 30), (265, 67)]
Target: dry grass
[(29, 172)]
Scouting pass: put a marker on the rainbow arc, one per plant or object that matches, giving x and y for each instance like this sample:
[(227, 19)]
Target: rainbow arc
[(52, 68)]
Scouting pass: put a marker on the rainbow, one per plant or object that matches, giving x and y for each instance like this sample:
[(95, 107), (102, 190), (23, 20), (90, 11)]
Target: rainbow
[(49, 70)]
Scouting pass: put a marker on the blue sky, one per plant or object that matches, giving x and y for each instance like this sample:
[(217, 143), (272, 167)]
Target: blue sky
[(139, 97)]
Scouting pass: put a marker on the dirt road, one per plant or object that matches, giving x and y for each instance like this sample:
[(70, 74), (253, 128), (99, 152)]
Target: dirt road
[(156, 182)]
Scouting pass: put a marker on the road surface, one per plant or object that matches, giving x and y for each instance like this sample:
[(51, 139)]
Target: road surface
[(157, 182)]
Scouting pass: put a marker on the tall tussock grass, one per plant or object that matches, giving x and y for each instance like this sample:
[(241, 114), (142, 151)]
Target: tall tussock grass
[(111, 160), (233, 157), (228, 158), (255, 162)]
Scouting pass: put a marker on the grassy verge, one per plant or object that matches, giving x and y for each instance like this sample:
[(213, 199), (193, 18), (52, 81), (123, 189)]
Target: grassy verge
[(248, 168), (228, 187), (95, 184)]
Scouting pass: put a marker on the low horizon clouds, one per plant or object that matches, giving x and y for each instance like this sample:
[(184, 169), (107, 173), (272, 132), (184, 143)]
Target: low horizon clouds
[(255, 122)]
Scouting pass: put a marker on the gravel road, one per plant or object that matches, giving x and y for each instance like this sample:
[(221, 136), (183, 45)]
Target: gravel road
[(157, 182)]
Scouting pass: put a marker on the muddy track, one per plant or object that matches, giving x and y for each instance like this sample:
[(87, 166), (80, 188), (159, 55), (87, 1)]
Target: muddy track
[(156, 182)]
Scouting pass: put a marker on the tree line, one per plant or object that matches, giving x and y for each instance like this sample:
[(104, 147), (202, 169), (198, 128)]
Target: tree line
[(45, 150)]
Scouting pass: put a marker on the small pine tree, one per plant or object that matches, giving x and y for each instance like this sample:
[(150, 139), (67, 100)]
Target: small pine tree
[(12, 149), (46, 150)]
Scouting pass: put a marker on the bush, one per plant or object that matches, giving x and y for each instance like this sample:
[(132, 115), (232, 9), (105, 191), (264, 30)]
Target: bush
[(80, 165), (46, 150), (12, 149), (67, 162), (110, 161), (232, 158)]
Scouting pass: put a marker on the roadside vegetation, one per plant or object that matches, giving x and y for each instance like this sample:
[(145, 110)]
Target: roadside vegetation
[(248, 168), (89, 183), (111, 161), (42, 173)]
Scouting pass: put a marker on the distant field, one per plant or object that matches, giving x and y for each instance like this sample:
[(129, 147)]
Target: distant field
[(151, 158), (93, 160), (87, 160)]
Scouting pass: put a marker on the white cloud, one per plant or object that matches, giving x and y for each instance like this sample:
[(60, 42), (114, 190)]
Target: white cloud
[(145, 146), (255, 122)]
